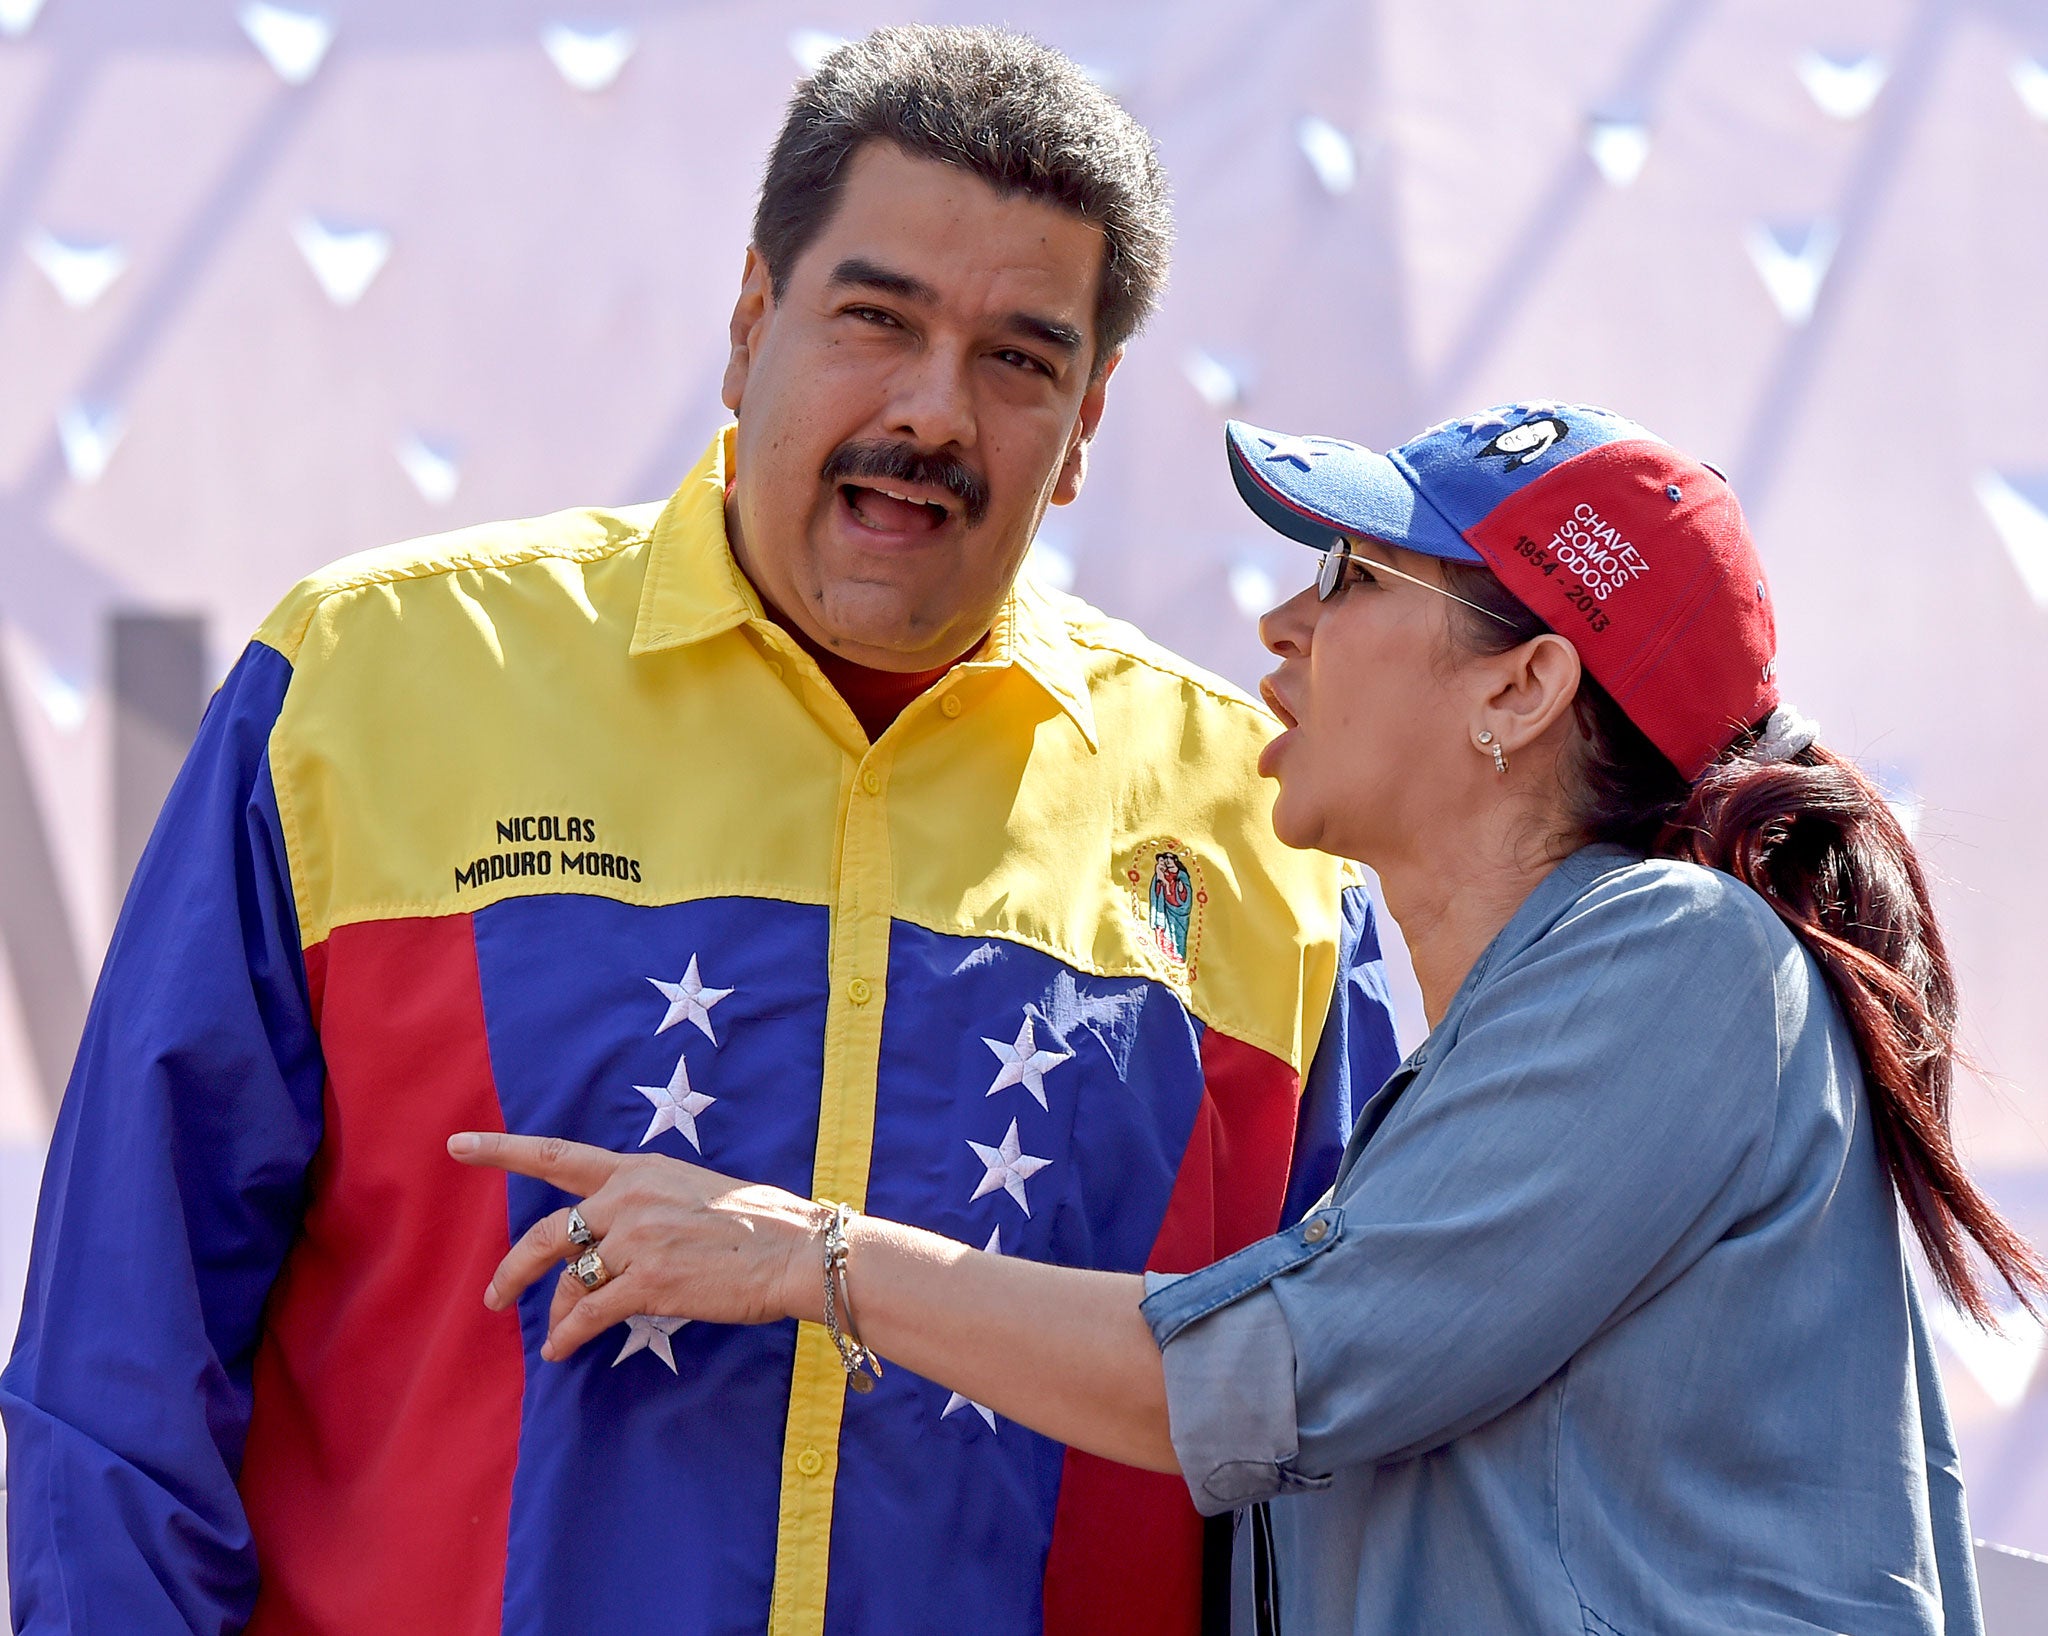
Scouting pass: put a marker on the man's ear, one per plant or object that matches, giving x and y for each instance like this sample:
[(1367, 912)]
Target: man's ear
[(750, 314), (1074, 468)]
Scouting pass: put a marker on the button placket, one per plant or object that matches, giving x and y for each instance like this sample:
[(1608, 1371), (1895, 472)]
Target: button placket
[(863, 896)]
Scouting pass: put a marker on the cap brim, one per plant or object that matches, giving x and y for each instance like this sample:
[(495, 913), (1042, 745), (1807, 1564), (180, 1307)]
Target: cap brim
[(1319, 490)]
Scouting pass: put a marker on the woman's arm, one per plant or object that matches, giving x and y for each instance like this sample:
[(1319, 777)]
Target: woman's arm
[(1062, 1350)]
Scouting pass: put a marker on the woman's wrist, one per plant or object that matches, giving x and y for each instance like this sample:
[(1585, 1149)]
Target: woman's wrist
[(803, 1275)]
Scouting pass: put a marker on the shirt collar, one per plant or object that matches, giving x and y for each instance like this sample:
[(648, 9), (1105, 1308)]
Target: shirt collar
[(1548, 899), (695, 590)]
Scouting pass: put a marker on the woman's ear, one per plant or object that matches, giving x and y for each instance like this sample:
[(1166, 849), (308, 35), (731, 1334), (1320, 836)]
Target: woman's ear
[(1533, 689)]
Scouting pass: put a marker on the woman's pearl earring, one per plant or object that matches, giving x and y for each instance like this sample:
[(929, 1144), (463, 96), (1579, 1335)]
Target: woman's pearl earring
[(1488, 742)]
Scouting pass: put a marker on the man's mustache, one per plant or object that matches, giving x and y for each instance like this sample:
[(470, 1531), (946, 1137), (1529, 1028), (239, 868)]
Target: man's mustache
[(884, 460)]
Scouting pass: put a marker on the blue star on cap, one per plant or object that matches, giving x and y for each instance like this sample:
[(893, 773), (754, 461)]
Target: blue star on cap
[(1322, 490)]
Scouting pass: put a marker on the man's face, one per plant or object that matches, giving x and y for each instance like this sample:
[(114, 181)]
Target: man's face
[(910, 406)]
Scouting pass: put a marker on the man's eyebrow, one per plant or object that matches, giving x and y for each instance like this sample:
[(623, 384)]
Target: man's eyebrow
[(860, 273), (1062, 338), (872, 275)]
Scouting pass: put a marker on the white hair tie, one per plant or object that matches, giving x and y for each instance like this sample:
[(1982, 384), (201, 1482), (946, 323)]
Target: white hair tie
[(1785, 734)]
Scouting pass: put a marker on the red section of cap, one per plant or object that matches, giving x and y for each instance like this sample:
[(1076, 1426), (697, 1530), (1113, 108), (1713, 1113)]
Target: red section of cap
[(1664, 599), (378, 1478), (1126, 1544)]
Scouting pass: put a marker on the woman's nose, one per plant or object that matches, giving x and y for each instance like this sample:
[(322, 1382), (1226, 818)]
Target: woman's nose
[(1288, 629)]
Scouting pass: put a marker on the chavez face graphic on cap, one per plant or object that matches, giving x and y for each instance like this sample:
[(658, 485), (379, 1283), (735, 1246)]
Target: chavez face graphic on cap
[(1519, 445)]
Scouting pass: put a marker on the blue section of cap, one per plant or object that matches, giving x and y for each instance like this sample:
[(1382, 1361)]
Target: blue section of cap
[(1467, 467), (1316, 489)]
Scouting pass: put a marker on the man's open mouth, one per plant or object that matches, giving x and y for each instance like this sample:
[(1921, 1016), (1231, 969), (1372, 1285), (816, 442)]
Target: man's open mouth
[(891, 510)]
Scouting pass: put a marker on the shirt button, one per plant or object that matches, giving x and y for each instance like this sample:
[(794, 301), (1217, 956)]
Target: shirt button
[(1315, 1231), (871, 781), (775, 668), (810, 1462), (951, 704), (859, 992)]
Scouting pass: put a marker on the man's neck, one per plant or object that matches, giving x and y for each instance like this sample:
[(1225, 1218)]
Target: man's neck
[(876, 697)]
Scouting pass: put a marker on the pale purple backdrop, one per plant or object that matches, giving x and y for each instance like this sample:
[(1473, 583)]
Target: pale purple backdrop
[(277, 284)]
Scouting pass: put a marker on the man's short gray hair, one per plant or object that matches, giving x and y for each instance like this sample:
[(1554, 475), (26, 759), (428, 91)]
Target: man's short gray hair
[(1010, 110)]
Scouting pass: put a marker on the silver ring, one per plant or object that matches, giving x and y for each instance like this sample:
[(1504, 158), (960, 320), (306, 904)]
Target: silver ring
[(580, 1234), (589, 1269)]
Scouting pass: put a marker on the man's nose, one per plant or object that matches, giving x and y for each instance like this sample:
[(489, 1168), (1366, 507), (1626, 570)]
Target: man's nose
[(932, 405), (1289, 629)]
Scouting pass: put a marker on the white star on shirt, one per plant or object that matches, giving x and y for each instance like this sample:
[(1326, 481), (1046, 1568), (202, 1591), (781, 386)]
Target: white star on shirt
[(676, 1106), (1024, 1064), (647, 1333), (994, 1246), (1009, 1167), (689, 1001), (1297, 449)]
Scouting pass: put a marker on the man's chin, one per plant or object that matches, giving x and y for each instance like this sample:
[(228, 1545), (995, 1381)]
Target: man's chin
[(884, 629)]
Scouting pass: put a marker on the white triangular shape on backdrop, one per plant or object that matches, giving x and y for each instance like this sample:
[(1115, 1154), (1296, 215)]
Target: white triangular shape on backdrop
[(1050, 565), (1252, 588), (1214, 381), (293, 42), (1618, 148), (2001, 1361), (433, 470), (2018, 509), (88, 436), (589, 59), (811, 46), (345, 260), (1793, 263), (17, 17), (80, 273), (63, 701), (2030, 80), (1331, 154), (1842, 87)]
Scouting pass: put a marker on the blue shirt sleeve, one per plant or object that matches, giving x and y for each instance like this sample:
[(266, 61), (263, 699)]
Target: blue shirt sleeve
[(175, 1185), (1353, 1058), (1597, 1121)]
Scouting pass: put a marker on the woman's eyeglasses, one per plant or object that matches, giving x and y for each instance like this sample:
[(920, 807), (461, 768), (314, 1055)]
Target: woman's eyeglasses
[(1341, 555)]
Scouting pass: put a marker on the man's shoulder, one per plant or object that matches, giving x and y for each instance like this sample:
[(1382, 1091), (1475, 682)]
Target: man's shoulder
[(585, 535), (1124, 666)]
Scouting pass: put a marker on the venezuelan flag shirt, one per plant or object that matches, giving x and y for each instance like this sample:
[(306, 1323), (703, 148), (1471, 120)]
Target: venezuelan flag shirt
[(546, 827)]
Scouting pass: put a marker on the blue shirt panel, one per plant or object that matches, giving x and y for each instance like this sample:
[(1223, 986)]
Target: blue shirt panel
[(938, 1511), (1353, 1058), (671, 1479), (174, 1188)]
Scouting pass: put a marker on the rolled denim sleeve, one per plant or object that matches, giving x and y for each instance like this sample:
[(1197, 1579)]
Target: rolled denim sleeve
[(1593, 1122), (1230, 1370)]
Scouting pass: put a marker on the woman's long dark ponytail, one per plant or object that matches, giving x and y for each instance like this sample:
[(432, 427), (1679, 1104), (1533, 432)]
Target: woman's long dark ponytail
[(1818, 842)]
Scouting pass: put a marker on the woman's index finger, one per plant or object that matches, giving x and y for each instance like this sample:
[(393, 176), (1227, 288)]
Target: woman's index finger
[(575, 1167)]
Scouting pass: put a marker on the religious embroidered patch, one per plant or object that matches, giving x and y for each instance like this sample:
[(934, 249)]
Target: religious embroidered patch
[(1168, 896)]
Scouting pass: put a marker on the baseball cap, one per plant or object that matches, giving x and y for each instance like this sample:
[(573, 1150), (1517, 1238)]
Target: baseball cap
[(1635, 553)]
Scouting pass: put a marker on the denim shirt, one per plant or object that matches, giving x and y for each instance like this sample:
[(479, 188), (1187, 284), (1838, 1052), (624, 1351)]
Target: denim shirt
[(1606, 1325)]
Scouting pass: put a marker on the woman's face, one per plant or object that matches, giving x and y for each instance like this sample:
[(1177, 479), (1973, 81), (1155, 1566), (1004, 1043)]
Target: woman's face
[(1378, 702)]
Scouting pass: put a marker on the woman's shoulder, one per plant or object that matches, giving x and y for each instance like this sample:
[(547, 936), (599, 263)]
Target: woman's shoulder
[(1670, 890), (1664, 912)]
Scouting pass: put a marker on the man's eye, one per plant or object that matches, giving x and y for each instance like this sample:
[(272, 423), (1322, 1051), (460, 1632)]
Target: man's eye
[(1022, 360), (872, 315)]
